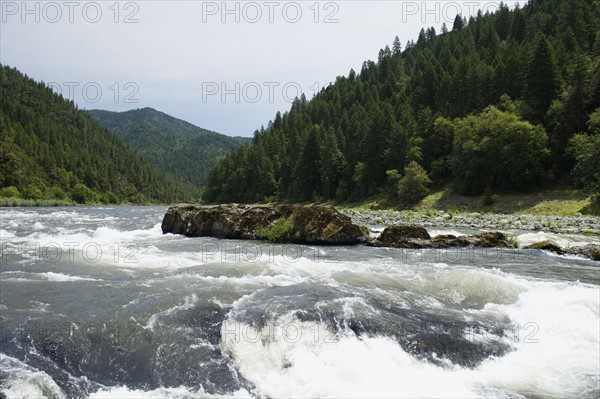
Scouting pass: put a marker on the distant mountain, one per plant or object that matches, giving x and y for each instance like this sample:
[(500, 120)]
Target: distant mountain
[(174, 146), (51, 150)]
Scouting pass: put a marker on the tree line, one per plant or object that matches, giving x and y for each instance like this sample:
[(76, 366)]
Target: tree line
[(503, 101), (49, 149)]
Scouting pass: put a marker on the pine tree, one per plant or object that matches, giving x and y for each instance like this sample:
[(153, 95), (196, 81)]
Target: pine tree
[(542, 78), (396, 46)]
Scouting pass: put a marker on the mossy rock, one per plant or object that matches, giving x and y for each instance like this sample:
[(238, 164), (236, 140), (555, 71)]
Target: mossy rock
[(546, 246)]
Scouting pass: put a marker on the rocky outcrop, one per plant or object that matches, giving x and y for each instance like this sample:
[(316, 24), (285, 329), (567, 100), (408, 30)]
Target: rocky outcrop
[(403, 236), (591, 251), (320, 225), (546, 246), (492, 239), (410, 236), (324, 225)]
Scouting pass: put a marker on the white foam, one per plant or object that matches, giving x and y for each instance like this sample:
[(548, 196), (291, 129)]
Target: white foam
[(558, 329), (24, 381), (437, 232), (6, 234), (289, 358), (188, 303), (161, 393), (60, 277), (562, 240)]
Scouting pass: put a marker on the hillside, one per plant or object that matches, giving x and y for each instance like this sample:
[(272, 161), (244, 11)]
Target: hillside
[(51, 150), (174, 146), (503, 102)]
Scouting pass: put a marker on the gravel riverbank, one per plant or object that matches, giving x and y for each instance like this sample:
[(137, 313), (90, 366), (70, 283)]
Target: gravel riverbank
[(584, 224)]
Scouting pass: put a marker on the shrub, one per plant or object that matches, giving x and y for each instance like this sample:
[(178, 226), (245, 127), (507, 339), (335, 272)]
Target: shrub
[(393, 178), (498, 149), (585, 149), (58, 193), (109, 198), (82, 194), (279, 231), (32, 192), (10, 192), (488, 197), (413, 186)]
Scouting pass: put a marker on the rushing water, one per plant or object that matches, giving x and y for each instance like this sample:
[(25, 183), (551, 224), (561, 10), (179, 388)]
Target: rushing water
[(97, 302)]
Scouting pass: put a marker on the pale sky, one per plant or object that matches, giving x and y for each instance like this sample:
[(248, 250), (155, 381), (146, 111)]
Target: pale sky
[(225, 66)]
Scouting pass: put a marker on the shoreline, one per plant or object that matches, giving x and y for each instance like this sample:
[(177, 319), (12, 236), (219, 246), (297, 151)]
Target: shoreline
[(573, 224), (584, 224)]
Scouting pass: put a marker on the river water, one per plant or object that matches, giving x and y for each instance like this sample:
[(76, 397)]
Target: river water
[(97, 302)]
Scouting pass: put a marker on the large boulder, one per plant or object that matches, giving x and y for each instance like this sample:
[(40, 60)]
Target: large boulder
[(409, 236), (490, 239), (591, 251), (317, 224), (546, 246), (403, 236)]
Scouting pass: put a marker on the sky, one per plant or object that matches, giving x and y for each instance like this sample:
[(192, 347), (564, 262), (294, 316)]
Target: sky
[(226, 66)]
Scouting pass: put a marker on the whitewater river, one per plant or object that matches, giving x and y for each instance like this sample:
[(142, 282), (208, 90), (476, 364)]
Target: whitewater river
[(97, 302)]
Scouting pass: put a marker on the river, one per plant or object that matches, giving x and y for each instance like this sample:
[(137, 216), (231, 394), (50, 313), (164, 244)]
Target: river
[(97, 302)]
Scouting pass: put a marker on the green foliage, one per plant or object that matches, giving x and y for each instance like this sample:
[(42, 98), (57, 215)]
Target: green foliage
[(497, 149), (393, 178), (431, 103), (279, 231), (10, 192), (45, 141), (57, 193), (32, 192), (413, 186), (542, 77), (109, 198), (82, 194), (586, 151), (488, 197), (179, 148), (512, 240), (12, 202)]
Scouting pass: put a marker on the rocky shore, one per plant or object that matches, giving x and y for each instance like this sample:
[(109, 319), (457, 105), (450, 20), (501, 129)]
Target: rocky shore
[(325, 225), (481, 221)]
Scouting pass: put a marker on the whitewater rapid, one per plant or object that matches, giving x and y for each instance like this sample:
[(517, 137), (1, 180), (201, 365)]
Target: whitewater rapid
[(97, 302)]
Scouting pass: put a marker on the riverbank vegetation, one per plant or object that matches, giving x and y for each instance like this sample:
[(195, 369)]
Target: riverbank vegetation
[(506, 102)]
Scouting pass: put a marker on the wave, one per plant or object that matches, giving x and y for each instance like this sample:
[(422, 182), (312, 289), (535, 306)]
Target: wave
[(161, 393), (563, 240), (553, 335), (20, 380), (47, 276)]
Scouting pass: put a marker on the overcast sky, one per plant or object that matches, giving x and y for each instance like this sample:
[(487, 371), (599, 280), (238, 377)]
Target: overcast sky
[(225, 66)]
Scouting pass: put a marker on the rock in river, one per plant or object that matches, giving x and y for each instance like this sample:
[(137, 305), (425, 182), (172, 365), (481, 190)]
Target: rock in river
[(316, 224), (410, 236)]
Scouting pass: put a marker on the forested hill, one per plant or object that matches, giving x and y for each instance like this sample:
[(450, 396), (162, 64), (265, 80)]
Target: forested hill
[(172, 145), (501, 102), (51, 150)]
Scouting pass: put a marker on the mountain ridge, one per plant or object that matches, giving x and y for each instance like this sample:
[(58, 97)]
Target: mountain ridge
[(173, 145), (52, 150)]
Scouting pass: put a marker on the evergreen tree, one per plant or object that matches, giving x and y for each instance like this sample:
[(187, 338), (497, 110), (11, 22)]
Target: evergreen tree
[(542, 78)]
